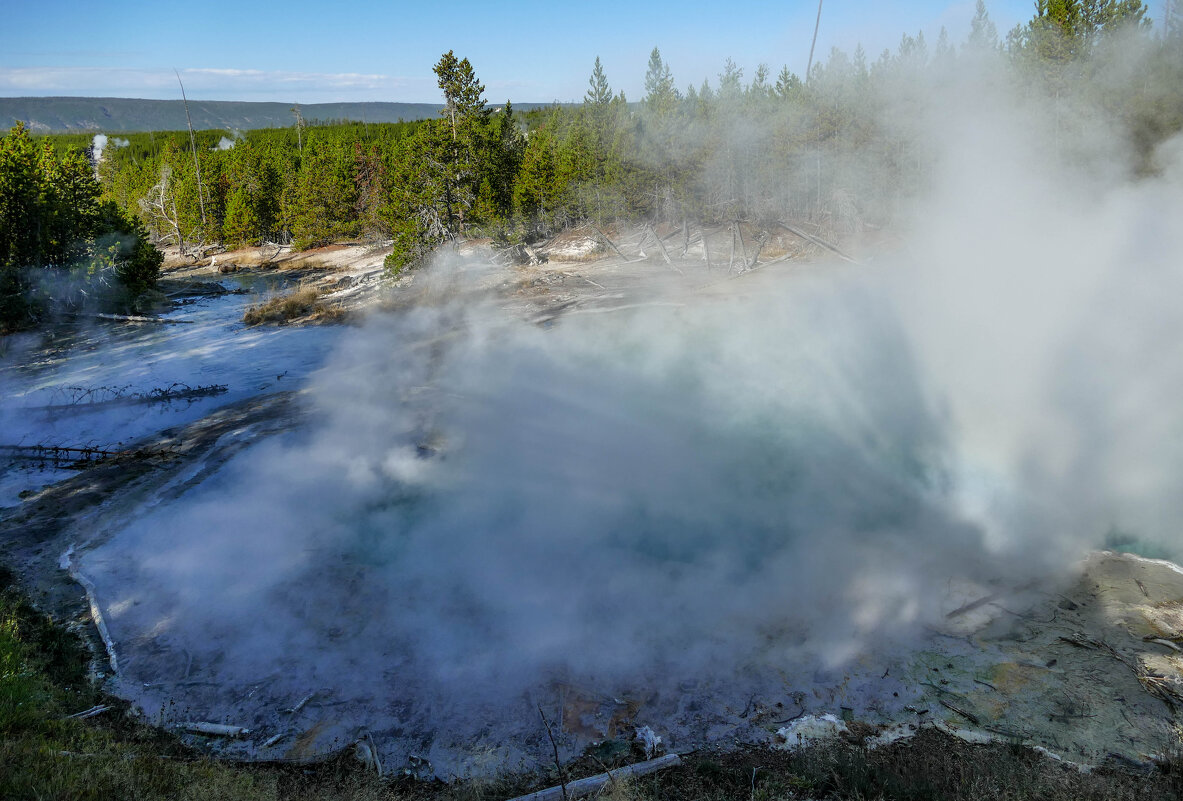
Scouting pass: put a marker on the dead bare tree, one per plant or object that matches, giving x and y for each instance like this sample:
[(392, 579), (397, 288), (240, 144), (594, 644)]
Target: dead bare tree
[(299, 129), (193, 147), (161, 208)]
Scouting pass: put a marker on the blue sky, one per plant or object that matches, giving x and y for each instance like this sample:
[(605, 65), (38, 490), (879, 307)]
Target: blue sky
[(530, 51)]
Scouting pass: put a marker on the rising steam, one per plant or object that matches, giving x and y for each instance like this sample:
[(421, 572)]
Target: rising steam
[(790, 467)]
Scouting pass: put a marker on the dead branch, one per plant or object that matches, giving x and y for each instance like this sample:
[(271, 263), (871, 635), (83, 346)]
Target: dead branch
[(972, 605), (90, 713), (592, 784), (968, 716), (555, 747)]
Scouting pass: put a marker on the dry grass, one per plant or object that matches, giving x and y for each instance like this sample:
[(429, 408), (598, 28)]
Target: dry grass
[(303, 304)]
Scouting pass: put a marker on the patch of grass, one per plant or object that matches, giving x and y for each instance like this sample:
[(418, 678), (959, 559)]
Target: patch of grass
[(302, 303), (45, 754)]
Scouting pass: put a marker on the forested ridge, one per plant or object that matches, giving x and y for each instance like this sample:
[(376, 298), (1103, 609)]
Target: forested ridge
[(841, 150)]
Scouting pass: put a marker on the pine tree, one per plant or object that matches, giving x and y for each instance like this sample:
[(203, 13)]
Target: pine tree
[(599, 94), (788, 85), (327, 195), (661, 97), (983, 34), (51, 219), (1063, 31), (759, 89), (534, 195), (465, 108), (730, 81), (495, 198)]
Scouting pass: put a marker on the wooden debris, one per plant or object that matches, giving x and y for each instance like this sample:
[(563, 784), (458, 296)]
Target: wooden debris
[(96, 612), (139, 318), (367, 752), (665, 254), (967, 715), (213, 729), (90, 713), (972, 605), (611, 244), (819, 242), (592, 784), (74, 457), (1160, 687), (626, 307), (85, 398), (300, 704)]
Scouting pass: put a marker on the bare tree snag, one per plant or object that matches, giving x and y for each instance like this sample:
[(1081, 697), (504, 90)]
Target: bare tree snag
[(611, 244), (193, 147)]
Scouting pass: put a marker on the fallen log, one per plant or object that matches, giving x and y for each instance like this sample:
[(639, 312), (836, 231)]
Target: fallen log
[(137, 318), (660, 245), (76, 456), (90, 713), (819, 242), (120, 397), (611, 244), (213, 729), (96, 612), (591, 784), (972, 718)]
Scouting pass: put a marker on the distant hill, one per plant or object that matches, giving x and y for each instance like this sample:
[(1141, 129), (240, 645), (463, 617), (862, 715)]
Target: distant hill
[(119, 114)]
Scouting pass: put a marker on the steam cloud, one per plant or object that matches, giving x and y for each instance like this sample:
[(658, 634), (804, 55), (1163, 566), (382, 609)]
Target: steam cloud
[(785, 468)]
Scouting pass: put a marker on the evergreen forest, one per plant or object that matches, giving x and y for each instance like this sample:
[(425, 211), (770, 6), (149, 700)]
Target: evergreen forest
[(845, 147)]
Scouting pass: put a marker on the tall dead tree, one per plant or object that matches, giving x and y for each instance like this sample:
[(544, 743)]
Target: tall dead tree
[(193, 147), (299, 129)]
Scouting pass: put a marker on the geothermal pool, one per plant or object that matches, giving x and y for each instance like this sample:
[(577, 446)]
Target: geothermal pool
[(709, 516)]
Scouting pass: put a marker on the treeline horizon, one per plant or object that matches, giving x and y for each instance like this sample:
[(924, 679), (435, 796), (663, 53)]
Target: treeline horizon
[(841, 150)]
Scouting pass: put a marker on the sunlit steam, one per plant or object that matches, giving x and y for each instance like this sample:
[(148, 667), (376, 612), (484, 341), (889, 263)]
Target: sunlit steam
[(767, 477)]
